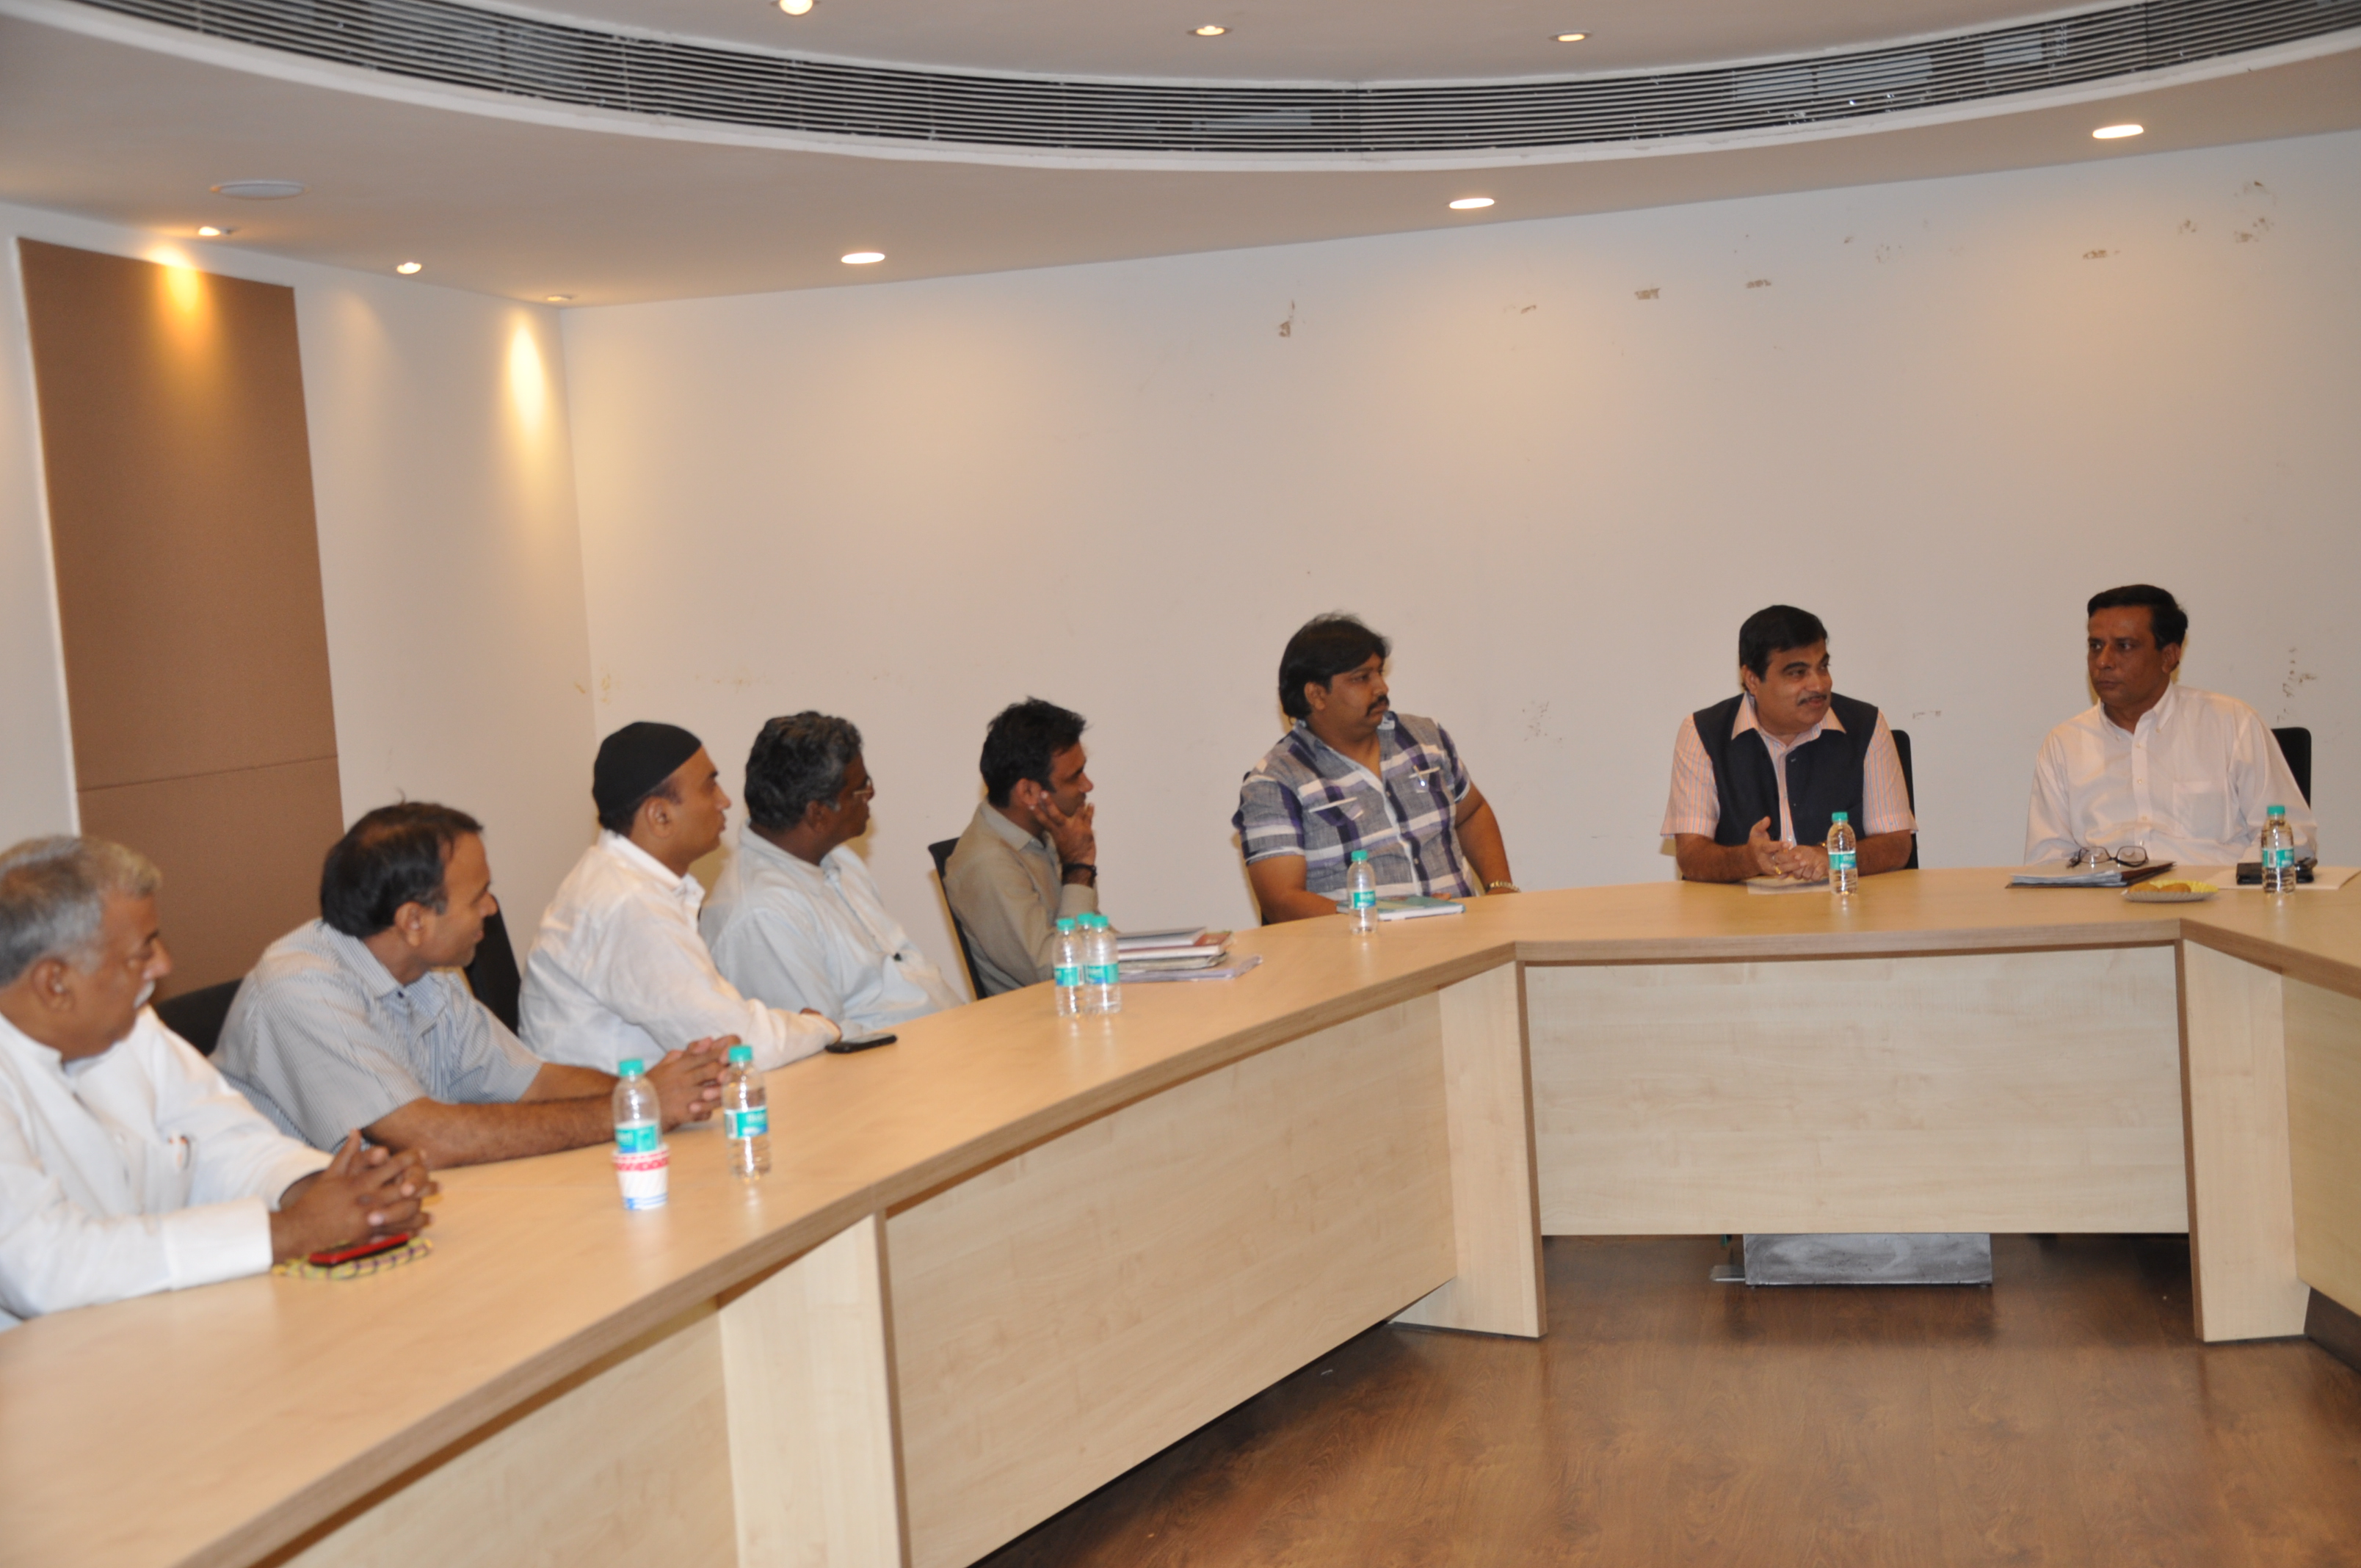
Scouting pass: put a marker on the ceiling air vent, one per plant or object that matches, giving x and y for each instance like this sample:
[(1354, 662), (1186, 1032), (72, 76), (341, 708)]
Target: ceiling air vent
[(556, 62)]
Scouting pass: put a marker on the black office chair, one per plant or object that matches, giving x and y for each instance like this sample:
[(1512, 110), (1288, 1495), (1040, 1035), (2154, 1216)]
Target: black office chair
[(1909, 791), (492, 975), (941, 850), (197, 1017), (2295, 745)]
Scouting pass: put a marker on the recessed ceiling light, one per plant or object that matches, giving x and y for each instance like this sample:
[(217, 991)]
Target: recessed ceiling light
[(559, 299), (408, 268), (259, 190), (2117, 133), (863, 258), (1571, 37), (1470, 204), (795, 7), (1210, 30), (213, 231)]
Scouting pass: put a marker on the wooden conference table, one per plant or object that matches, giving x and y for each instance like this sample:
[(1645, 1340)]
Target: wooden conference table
[(1007, 1259)]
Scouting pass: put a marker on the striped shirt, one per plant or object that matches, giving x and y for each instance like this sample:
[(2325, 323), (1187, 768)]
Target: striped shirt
[(323, 1039), (1307, 799), (1695, 804)]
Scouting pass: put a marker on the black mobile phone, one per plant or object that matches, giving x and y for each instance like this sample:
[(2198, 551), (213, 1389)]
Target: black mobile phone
[(2250, 872), (851, 1043)]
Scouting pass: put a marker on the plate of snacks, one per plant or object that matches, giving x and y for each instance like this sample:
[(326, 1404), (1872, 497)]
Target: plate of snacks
[(2161, 892)]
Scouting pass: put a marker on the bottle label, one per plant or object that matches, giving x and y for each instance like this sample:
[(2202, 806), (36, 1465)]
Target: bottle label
[(754, 1121), (638, 1137), (2279, 857), (1364, 898), (1068, 976), (1839, 861), (1102, 974)]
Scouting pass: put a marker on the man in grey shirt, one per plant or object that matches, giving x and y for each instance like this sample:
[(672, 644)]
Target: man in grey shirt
[(1029, 858), (358, 1020)]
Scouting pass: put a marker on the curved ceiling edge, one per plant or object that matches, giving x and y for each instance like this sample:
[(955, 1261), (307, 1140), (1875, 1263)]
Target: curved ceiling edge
[(469, 59)]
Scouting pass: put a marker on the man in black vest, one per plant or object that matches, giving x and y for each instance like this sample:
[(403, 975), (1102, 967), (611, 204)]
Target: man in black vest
[(1757, 778)]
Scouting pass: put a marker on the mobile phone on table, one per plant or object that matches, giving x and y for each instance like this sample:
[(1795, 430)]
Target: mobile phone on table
[(2250, 872), (337, 1255), (851, 1043)]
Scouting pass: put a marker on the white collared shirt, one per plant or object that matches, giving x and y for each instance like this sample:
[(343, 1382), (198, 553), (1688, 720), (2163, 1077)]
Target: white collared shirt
[(797, 935), (2191, 783), (135, 1170), (619, 971)]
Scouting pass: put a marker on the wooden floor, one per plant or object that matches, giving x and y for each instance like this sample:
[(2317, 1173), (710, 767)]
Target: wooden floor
[(2069, 1415)]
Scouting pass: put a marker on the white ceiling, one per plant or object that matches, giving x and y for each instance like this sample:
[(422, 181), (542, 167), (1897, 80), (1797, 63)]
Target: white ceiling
[(1302, 40), (526, 208)]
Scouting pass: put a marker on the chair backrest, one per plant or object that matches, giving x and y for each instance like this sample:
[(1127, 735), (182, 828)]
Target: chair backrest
[(941, 850), (197, 1017), (2295, 745), (1909, 791), (492, 975)]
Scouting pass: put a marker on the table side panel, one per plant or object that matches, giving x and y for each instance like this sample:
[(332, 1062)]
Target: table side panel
[(2323, 1069), (811, 1410), (1494, 1206), (627, 1464), (1988, 1091), (1067, 1314), (2241, 1201)]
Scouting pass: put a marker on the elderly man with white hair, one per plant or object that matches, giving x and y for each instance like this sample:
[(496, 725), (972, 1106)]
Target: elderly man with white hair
[(127, 1165)]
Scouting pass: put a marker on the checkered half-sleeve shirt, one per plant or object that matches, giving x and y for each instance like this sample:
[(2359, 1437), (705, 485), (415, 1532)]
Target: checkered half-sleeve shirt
[(1305, 798)]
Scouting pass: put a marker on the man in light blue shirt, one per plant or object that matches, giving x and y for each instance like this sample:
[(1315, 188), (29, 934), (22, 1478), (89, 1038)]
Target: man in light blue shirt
[(794, 919)]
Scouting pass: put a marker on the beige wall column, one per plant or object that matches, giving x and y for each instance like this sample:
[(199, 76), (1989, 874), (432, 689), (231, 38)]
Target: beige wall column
[(1495, 1203), (2241, 1203)]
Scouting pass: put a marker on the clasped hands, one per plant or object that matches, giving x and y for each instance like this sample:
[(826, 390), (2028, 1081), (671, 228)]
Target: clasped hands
[(1774, 857)]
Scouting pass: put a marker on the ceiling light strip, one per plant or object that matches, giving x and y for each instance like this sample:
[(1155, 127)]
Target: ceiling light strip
[(459, 45)]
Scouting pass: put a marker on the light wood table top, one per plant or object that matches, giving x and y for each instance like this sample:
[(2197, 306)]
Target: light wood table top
[(214, 1425)]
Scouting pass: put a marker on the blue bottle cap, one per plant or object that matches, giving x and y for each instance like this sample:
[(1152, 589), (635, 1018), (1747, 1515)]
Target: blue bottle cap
[(631, 1067)]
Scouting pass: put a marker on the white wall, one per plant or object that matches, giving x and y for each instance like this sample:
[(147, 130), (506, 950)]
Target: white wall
[(450, 563), (1557, 461)]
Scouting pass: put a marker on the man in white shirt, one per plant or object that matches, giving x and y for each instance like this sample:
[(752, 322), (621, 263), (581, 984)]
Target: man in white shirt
[(2187, 776), (794, 919), (127, 1165), (361, 1019), (619, 971)]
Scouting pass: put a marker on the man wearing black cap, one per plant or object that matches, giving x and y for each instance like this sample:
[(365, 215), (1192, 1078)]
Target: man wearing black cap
[(619, 969)]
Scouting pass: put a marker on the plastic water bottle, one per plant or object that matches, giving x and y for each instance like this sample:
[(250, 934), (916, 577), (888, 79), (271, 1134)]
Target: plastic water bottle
[(1066, 968), (2278, 851), (639, 1118), (746, 1115), (1102, 967), (1361, 883), (1844, 868)]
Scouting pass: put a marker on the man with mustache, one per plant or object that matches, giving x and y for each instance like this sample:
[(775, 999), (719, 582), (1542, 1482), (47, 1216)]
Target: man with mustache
[(127, 1164), (1757, 778), (2185, 774), (1354, 774)]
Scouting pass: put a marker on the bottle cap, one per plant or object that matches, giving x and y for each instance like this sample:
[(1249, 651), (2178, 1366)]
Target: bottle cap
[(630, 1067), (2275, 811), (741, 1056), (1840, 816), (1359, 855), (1066, 923)]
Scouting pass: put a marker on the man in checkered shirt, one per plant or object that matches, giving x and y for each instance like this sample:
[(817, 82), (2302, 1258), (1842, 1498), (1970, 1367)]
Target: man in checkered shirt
[(1354, 774)]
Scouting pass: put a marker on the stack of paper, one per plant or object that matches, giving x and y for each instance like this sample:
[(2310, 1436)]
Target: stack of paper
[(2057, 873), (1182, 951)]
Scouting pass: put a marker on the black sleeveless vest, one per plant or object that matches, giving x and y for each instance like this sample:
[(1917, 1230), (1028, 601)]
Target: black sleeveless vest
[(1824, 776)]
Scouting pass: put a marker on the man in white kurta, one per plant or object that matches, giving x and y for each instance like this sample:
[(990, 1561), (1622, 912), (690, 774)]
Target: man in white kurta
[(127, 1165), (2187, 775), (794, 919), (618, 971)]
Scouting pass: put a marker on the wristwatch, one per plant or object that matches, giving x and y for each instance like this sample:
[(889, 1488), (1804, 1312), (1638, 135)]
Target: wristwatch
[(1071, 867), (1502, 886)]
